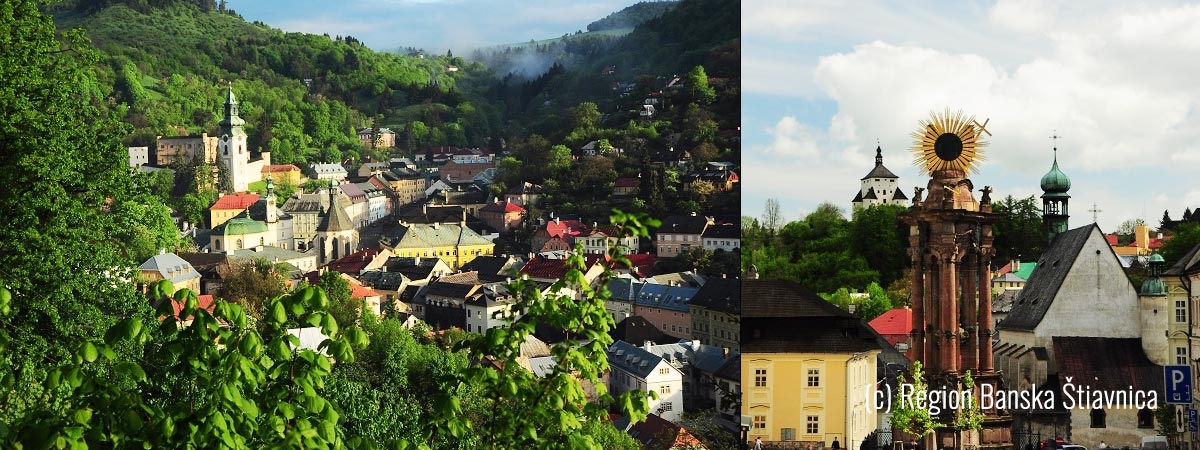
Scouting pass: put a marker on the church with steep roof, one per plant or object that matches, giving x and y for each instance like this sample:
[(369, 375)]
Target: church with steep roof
[(880, 186)]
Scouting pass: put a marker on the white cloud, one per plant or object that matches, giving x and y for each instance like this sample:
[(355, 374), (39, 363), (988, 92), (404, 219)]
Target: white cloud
[(1023, 16), (792, 139), (1115, 81)]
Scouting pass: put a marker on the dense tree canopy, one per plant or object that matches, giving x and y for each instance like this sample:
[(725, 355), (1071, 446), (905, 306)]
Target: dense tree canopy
[(1018, 231), (64, 180)]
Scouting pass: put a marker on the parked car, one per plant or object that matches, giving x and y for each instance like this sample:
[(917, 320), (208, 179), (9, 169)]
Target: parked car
[(1154, 443), (1073, 447)]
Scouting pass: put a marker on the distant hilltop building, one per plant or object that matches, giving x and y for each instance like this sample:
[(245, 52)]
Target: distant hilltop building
[(880, 186)]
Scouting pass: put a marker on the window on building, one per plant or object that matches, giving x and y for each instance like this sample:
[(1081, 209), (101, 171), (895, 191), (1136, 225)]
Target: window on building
[(1181, 355), (664, 389), (664, 371), (1098, 418), (760, 421), (666, 406), (787, 434), (812, 425), (1145, 418), (239, 244), (1180, 311), (814, 377), (760, 377)]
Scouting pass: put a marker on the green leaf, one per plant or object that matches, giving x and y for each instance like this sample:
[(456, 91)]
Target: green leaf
[(131, 369), (278, 314), (89, 352), (82, 416)]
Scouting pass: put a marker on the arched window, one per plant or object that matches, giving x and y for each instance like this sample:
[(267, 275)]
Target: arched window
[(239, 244), (1098, 418), (216, 244)]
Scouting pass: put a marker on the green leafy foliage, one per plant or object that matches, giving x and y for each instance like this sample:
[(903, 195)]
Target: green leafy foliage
[(1183, 238), (969, 416), (63, 177), (817, 252), (210, 381), (909, 417), (1018, 232), (548, 412)]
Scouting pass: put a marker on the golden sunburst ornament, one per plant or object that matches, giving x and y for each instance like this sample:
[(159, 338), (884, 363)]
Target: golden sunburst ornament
[(949, 141)]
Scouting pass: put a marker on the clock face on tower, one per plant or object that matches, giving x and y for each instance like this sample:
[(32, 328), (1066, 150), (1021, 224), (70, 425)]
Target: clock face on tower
[(949, 141)]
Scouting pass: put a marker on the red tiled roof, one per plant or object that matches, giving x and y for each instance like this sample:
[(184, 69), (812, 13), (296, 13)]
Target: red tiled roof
[(235, 201), (204, 302), (1111, 238), (359, 291), (354, 262), (566, 227), (546, 268), (1007, 268), (556, 241), (628, 182), (280, 168), (894, 325), (506, 207)]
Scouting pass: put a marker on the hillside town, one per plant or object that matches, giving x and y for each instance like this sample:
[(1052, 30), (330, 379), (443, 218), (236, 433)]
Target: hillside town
[(426, 241)]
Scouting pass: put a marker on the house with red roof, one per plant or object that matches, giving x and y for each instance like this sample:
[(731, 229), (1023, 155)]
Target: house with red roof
[(361, 261), (567, 230), (281, 172), (370, 297), (549, 270), (502, 215), (895, 326), (626, 186), (228, 207), (204, 302), (600, 238)]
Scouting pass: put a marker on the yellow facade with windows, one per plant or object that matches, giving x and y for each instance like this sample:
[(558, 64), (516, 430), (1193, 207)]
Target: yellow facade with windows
[(455, 245), (809, 397)]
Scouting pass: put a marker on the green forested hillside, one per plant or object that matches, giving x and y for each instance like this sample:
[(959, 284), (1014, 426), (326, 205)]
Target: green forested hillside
[(632, 16), (302, 94)]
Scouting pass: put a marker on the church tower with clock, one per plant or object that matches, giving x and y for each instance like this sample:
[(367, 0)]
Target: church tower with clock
[(232, 150)]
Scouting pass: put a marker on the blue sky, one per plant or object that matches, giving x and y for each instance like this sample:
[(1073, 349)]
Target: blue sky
[(435, 25), (824, 80)]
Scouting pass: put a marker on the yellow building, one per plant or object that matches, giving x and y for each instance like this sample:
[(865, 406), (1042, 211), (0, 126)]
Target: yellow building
[(454, 244), (808, 368), (283, 173)]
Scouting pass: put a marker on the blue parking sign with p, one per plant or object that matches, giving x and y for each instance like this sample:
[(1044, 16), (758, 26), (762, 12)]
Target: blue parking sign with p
[(1193, 420), (1178, 384)]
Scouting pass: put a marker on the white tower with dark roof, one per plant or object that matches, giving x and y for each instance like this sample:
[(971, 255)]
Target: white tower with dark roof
[(880, 186), (232, 148)]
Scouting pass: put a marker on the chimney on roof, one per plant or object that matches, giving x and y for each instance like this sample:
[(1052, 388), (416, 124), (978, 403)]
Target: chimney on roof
[(556, 221), (725, 352), (1016, 265), (647, 344)]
